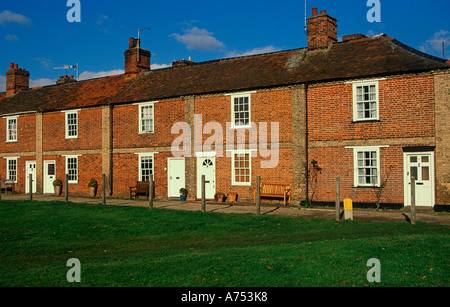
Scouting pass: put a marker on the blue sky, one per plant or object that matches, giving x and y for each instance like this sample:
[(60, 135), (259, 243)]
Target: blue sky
[(37, 35)]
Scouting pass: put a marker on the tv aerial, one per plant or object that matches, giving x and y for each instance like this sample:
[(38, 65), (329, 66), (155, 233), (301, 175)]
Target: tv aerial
[(443, 41), (67, 67), (139, 39)]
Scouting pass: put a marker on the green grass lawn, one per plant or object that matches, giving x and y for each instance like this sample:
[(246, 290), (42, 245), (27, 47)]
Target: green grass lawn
[(127, 246)]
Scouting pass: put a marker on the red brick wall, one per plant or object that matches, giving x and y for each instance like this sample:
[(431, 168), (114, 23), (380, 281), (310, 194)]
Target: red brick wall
[(89, 131), (126, 173), (126, 125), (338, 161), (406, 108), (26, 135), (89, 166)]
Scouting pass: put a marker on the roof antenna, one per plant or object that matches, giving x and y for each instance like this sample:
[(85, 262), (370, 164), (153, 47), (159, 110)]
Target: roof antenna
[(306, 24), (139, 39), (443, 41), (67, 67)]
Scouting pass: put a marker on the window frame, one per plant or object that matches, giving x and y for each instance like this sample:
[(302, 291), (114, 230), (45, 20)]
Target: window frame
[(8, 170), (363, 149), (369, 83), (71, 181), (144, 155), (233, 112), (67, 113), (8, 119), (233, 167), (140, 108)]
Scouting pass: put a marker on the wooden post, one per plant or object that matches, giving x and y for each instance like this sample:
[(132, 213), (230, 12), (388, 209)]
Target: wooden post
[(338, 198), (150, 193), (103, 189), (203, 193), (258, 195), (66, 188), (413, 200), (31, 186)]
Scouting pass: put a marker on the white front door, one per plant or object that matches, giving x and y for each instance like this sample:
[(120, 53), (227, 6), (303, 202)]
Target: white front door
[(30, 170), (421, 167), (175, 176), (206, 166), (49, 176)]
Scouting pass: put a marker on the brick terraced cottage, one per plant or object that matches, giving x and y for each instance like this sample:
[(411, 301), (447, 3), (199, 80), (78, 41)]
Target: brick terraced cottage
[(368, 109)]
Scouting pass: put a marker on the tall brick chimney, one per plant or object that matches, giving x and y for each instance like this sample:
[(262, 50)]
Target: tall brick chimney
[(322, 30), (136, 58), (16, 79)]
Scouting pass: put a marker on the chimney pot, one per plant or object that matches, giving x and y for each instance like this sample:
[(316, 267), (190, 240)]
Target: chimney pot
[(322, 30), (16, 79), (136, 59), (314, 11)]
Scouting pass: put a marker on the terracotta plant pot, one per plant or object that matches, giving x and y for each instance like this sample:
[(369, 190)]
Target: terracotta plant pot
[(58, 190), (92, 191), (233, 197)]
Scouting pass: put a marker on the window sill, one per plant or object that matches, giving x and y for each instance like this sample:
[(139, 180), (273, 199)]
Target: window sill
[(366, 187), (366, 121), (241, 184), (241, 127), (11, 141), (144, 133)]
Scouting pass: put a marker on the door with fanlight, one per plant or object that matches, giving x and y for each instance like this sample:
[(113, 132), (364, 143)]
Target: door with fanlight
[(421, 167), (206, 166)]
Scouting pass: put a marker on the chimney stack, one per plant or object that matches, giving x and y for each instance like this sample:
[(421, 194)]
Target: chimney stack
[(136, 58), (16, 79), (66, 79), (322, 30)]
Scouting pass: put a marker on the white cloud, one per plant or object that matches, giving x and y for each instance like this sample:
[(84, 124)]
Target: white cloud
[(33, 83), (267, 49), (8, 16), (159, 66), (46, 63), (86, 75), (2, 84), (434, 44), (196, 38), (11, 37)]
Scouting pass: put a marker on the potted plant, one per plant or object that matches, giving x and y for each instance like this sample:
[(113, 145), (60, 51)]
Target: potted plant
[(92, 186), (233, 197), (220, 197), (57, 184), (183, 194)]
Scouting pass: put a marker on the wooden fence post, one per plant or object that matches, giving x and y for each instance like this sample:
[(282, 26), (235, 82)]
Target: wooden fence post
[(338, 198), (103, 189), (31, 186), (66, 188), (203, 193), (258, 195), (413, 200), (150, 193)]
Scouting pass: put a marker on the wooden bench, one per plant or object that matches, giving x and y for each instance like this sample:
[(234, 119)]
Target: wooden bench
[(276, 190), (7, 184), (141, 188)]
